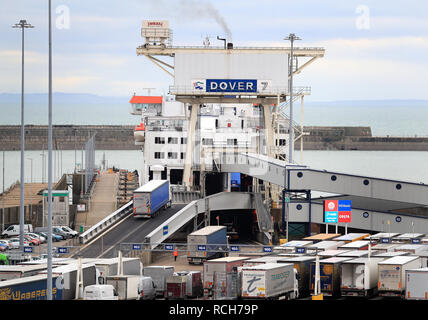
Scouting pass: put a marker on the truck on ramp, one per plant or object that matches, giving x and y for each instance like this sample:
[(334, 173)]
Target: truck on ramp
[(150, 198)]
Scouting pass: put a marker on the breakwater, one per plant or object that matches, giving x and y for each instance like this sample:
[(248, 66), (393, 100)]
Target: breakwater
[(70, 137)]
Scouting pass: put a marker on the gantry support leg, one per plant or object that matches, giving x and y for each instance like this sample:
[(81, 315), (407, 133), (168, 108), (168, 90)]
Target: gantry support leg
[(190, 147)]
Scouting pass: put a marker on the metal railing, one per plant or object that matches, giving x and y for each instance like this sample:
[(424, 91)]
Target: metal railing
[(106, 223), (180, 90)]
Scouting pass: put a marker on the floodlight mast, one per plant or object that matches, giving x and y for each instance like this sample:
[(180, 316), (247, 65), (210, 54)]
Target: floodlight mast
[(22, 25)]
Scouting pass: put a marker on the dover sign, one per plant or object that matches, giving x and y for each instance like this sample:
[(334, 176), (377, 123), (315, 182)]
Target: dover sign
[(232, 85)]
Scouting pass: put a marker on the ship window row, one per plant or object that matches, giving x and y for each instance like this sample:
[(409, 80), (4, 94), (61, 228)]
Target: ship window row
[(170, 155), (171, 140)]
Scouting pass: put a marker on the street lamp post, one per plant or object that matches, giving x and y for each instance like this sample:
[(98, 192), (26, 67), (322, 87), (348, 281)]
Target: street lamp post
[(49, 253), (292, 37), (22, 25)]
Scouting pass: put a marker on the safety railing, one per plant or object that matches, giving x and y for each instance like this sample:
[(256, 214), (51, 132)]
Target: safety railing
[(106, 223)]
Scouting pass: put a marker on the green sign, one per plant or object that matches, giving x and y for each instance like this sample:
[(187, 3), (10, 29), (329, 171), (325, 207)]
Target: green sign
[(57, 194)]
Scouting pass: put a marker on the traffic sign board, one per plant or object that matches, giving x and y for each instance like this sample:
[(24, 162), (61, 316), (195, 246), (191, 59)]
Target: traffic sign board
[(136, 246), (28, 249), (234, 248), (267, 249), (202, 248), (300, 250), (62, 250), (169, 247)]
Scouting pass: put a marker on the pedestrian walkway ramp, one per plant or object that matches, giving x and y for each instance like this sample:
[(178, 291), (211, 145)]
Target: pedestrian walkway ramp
[(297, 177)]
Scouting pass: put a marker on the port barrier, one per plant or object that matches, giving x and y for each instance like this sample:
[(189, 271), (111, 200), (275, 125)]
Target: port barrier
[(106, 223), (231, 249)]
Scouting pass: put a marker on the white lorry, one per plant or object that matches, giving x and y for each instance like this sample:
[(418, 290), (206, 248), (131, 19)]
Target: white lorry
[(417, 284), (359, 277), (159, 275), (392, 281), (270, 280), (125, 286)]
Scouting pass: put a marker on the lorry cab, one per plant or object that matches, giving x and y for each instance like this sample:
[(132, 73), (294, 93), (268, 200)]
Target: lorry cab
[(100, 292), (296, 284), (146, 289)]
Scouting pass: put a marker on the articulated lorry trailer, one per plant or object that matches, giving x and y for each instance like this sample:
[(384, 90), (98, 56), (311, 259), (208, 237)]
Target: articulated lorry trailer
[(150, 198), (206, 243), (269, 281), (31, 288), (417, 284), (360, 277), (392, 277)]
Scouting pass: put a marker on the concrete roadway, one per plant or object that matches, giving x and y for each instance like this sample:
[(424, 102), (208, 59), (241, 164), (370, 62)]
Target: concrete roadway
[(129, 230)]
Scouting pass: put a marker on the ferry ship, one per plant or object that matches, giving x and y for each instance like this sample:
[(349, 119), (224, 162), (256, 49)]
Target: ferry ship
[(231, 128)]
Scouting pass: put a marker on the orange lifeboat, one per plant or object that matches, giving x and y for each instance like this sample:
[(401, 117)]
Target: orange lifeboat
[(139, 133)]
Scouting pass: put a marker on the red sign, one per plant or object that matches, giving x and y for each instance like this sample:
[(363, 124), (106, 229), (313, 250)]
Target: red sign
[(331, 205), (345, 216)]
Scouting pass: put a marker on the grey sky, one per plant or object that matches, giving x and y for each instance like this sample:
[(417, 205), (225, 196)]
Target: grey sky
[(374, 49)]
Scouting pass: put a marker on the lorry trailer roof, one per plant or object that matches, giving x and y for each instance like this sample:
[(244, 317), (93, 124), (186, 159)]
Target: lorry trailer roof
[(364, 260), (399, 260), (207, 230), (151, 185), (335, 260), (267, 266), (226, 259), (419, 270)]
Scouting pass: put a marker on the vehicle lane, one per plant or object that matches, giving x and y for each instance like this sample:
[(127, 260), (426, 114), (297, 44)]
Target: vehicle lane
[(130, 230)]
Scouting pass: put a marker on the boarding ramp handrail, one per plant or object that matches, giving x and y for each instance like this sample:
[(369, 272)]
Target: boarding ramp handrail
[(106, 223)]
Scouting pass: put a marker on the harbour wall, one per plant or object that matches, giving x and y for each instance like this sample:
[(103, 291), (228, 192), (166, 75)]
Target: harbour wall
[(70, 137)]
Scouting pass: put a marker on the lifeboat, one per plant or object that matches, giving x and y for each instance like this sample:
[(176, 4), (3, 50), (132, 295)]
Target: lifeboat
[(139, 134)]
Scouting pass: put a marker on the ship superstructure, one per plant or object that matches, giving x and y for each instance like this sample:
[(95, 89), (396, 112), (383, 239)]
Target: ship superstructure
[(220, 128)]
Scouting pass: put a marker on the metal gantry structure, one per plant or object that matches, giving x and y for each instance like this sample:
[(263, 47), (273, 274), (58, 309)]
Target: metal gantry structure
[(158, 44)]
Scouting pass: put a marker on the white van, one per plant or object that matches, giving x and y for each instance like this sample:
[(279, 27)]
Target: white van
[(146, 289), (13, 230), (100, 292)]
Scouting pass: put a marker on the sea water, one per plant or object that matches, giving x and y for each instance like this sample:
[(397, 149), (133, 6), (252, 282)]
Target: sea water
[(396, 165)]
